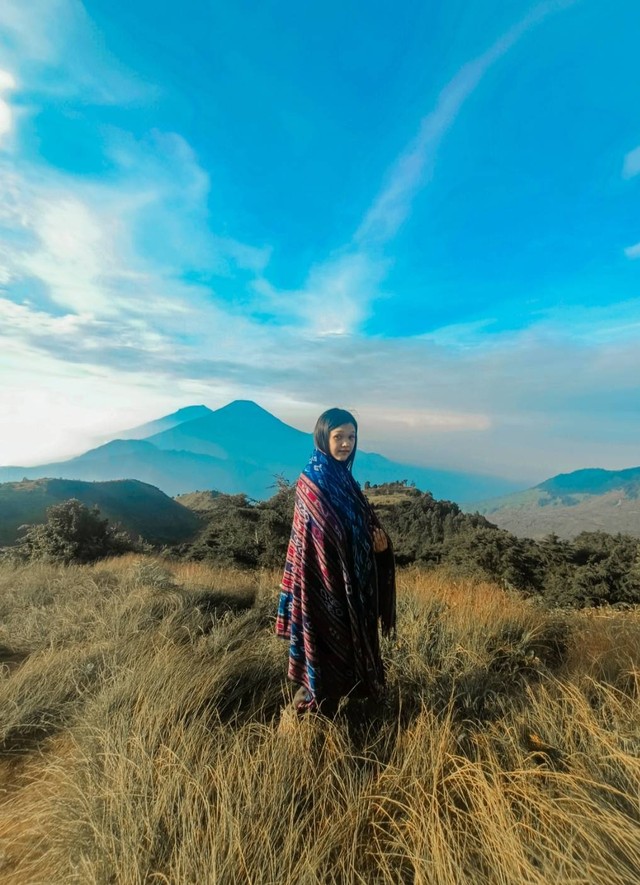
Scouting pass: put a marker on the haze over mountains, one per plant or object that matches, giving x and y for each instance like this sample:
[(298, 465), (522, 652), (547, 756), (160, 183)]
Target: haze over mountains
[(241, 448), (238, 448)]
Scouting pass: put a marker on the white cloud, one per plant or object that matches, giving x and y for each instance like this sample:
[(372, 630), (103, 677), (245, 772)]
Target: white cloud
[(56, 233), (7, 84), (631, 168), (78, 242), (7, 81), (5, 119), (421, 420), (36, 29), (57, 50), (633, 251), (338, 293), (75, 250), (631, 164), (335, 299), (20, 318)]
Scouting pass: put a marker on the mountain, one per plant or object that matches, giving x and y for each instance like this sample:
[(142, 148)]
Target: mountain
[(189, 413), (592, 481), (591, 500), (139, 508), (240, 431), (238, 448)]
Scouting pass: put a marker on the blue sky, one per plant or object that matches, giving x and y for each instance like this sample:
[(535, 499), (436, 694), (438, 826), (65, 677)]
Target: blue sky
[(426, 212)]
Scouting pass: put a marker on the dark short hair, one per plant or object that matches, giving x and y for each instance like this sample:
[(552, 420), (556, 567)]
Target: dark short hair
[(327, 422)]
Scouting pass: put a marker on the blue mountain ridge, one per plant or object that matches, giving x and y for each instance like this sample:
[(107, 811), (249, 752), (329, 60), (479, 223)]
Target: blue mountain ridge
[(590, 481), (589, 500), (239, 448)]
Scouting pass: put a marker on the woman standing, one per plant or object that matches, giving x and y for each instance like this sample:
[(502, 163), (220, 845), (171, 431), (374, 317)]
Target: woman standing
[(339, 576)]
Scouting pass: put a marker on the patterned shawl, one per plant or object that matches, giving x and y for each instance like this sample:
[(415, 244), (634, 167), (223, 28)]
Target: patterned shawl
[(334, 587)]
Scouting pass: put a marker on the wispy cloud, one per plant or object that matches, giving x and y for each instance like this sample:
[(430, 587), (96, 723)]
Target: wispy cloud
[(413, 167), (7, 85), (339, 293), (57, 50), (81, 242), (335, 299), (35, 32), (111, 259), (527, 398), (631, 163), (631, 168), (633, 251)]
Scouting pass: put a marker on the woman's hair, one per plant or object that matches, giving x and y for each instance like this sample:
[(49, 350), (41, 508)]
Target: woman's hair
[(327, 422)]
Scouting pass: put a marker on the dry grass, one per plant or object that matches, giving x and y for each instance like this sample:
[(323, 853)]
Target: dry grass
[(141, 741)]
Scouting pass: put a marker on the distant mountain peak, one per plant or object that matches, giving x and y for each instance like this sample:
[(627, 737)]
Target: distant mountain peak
[(245, 406), (182, 416), (191, 412), (590, 481), (589, 499), (238, 448), (245, 412)]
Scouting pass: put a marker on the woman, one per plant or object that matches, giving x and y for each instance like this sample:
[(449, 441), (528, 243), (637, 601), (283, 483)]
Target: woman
[(338, 578)]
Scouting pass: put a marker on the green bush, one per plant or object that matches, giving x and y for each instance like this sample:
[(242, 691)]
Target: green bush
[(73, 532), (241, 532)]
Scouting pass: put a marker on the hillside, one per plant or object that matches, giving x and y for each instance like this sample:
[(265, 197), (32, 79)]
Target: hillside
[(141, 509), (199, 502), (570, 503), (388, 493), (240, 448)]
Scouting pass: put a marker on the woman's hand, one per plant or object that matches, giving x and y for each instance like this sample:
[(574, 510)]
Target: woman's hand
[(380, 540)]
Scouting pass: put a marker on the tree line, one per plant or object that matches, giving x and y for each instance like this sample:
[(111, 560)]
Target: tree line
[(594, 569)]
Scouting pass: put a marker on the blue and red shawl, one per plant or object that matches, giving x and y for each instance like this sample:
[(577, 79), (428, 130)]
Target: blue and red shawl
[(334, 588)]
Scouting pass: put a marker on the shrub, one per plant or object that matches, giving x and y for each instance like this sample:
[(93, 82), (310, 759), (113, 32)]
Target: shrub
[(243, 533), (73, 532)]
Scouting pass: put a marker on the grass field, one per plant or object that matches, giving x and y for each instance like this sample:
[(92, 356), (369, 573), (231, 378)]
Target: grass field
[(141, 739)]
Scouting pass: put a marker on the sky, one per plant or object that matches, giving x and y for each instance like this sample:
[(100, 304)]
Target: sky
[(426, 212)]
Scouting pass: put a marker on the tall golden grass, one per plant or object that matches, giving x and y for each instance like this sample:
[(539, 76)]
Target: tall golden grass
[(141, 739)]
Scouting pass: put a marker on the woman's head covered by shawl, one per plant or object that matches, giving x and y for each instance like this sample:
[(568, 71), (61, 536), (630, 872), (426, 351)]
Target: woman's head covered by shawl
[(327, 422)]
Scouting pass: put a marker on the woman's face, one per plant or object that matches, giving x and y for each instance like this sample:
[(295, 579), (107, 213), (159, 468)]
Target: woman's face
[(342, 441)]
